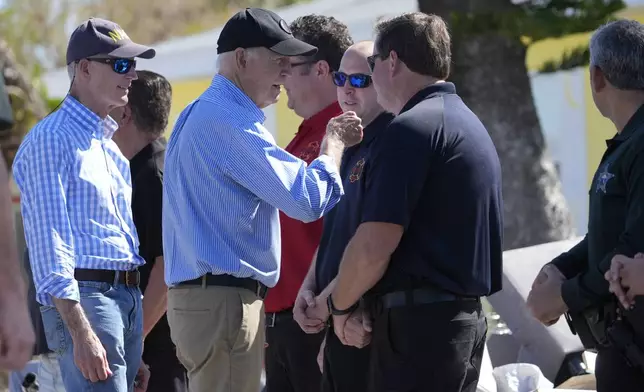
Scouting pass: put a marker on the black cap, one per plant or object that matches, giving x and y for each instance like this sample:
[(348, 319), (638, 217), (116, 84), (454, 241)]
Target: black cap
[(102, 37), (257, 27)]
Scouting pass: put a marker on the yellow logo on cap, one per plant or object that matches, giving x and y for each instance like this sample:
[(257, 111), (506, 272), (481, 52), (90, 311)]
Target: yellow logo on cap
[(118, 35)]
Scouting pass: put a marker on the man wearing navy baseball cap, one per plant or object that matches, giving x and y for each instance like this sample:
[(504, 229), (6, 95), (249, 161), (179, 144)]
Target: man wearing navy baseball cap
[(76, 194), (219, 262)]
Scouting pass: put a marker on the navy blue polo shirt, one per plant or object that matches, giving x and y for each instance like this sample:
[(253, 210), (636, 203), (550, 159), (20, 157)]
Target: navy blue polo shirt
[(436, 172), (341, 223)]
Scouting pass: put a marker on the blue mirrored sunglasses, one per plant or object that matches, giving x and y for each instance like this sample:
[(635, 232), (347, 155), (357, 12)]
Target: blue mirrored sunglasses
[(356, 80), (120, 66)]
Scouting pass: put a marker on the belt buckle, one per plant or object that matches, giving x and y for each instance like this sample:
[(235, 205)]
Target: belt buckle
[(137, 278), (270, 320)]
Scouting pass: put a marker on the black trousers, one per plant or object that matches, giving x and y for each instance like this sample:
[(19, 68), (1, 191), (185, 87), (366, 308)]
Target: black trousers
[(613, 373), (291, 355), (423, 348), (346, 368), (167, 374), (612, 370)]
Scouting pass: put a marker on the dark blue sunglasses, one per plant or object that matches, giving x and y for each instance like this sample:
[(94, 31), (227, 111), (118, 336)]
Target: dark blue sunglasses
[(120, 66), (357, 80)]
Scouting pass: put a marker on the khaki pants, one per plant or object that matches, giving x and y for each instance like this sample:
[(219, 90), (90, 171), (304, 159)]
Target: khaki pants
[(219, 334)]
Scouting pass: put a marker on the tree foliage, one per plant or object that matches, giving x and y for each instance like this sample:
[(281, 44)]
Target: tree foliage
[(34, 35), (536, 20), (26, 101)]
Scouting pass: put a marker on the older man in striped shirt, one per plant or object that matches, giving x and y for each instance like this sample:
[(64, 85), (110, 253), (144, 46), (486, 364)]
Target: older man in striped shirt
[(76, 205), (225, 180)]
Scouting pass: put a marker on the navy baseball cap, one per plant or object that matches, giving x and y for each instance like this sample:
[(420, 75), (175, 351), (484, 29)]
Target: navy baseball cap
[(98, 36), (258, 27)]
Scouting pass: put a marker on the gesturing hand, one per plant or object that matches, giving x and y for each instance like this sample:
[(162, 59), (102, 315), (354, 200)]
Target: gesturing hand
[(347, 127), (304, 312)]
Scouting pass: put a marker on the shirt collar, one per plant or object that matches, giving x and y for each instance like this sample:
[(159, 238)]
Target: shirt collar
[(378, 124), (153, 148), (635, 123), (81, 115), (430, 91), (321, 118), (224, 89)]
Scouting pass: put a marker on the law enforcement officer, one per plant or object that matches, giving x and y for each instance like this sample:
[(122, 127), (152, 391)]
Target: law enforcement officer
[(345, 367), (290, 353), (574, 282), (430, 240)]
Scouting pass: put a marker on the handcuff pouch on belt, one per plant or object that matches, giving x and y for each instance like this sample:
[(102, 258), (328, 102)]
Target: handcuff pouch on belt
[(606, 327)]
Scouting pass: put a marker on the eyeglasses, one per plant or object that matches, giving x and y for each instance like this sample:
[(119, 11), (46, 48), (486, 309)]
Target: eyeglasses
[(120, 66), (371, 60), (357, 80)]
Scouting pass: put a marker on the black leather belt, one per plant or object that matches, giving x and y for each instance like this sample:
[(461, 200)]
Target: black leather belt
[(128, 278), (278, 317), (228, 281), (421, 296)]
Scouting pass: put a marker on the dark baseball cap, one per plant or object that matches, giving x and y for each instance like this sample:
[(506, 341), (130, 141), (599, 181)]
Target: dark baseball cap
[(258, 27), (98, 36)]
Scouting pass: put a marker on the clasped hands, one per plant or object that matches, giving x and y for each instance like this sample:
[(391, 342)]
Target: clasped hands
[(311, 313), (626, 278), (545, 301)]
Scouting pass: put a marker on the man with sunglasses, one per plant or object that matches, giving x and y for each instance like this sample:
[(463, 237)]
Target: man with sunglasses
[(75, 187), (429, 242), (290, 352), (345, 366)]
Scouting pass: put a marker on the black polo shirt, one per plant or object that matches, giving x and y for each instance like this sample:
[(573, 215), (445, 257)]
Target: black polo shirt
[(615, 222), (436, 173), (341, 223), (147, 197)]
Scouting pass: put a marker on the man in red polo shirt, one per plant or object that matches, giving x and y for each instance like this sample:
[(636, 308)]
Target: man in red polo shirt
[(291, 354)]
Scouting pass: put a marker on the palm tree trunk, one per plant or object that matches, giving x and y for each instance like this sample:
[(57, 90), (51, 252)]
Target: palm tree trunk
[(491, 77)]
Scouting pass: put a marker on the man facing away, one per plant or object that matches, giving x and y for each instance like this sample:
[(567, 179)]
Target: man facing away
[(575, 281), (345, 367), (76, 205), (141, 125), (225, 180), (429, 244), (291, 353)]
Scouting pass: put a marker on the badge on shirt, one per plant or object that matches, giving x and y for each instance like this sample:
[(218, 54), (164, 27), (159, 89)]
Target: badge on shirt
[(602, 180), (309, 152), (357, 170)]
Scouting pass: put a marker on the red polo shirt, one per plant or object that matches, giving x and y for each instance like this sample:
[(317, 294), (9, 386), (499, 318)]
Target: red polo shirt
[(299, 240)]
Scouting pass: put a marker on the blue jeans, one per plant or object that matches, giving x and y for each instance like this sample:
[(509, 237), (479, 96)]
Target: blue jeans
[(115, 314)]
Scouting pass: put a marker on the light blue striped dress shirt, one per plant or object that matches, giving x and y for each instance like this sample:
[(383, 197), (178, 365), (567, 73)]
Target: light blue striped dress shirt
[(75, 195), (224, 181)]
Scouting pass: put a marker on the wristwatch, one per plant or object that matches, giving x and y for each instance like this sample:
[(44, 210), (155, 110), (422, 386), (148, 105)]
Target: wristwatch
[(337, 312)]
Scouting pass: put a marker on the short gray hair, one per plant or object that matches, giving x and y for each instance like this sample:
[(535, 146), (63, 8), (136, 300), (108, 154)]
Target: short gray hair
[(71, 71), (617, 48), (227, 57)]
